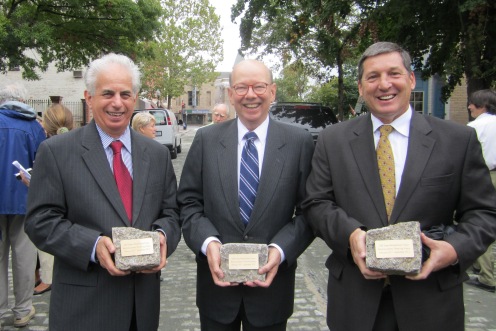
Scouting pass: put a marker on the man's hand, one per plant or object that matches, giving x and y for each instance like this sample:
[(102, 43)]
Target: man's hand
[(270, 268), (442, 255), (163, 256), (104, 248), (358, 251), (213, 258)]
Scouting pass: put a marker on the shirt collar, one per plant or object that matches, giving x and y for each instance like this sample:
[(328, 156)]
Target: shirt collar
[(260, 131), (484, 114), (125, 138), (401, 124)]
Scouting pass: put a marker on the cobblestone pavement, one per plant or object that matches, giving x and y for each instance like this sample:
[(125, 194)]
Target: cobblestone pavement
[(179, 312)]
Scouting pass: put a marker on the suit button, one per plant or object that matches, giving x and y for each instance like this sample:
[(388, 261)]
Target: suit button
[(245, 238)]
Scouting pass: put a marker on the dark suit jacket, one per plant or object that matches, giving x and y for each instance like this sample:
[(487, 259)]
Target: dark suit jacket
[(208, 198), (444, 172), (73, 199)]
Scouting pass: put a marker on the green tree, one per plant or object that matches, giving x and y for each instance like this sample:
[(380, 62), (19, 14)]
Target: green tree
[(455, 39), (293, 85), (322, 34), (186, 50), (452, 38), (70, 33), (327, 94)]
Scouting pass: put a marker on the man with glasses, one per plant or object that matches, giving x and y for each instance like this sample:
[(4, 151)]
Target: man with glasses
[(220, 113), (243, 182)]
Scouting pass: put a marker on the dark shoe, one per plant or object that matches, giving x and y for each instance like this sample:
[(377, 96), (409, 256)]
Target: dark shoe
[(43, 290), (475, 282)]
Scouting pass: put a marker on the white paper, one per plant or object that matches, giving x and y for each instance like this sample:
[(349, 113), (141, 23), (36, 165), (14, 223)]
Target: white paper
[(21, 169)]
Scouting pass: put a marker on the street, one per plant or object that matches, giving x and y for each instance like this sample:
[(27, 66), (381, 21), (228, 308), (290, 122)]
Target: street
[(179, 312)]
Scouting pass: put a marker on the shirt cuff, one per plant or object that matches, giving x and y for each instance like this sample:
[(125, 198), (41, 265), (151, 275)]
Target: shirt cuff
[(206, 242), (283, 257), (93, 253)]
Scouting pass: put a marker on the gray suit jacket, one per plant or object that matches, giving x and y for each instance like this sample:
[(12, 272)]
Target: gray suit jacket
[(444, 173), (208, 198), (73, 199)]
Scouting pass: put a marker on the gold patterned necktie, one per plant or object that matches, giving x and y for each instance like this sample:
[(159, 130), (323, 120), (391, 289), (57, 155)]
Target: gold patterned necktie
[(385, 161)]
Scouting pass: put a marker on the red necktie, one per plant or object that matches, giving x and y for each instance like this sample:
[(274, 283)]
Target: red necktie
[(123, 179)]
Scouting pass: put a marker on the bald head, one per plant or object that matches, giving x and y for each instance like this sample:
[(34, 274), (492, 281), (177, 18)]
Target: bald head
[(251, 92), (220, 113)]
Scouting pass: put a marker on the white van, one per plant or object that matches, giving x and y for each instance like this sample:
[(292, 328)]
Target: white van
[(167, 129)]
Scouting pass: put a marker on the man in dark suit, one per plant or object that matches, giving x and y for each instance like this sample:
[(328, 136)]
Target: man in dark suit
[(74, 202), (438, 171), (210, 201)]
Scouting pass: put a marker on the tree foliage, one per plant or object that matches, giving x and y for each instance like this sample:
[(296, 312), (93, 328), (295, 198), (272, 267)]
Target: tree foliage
[(186, 51), (321, 34), (293, 84), (455, 39), (71, 33)]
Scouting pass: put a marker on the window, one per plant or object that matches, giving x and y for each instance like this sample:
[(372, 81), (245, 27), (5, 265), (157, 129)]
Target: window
[(417, 101), (190, 98), (209, 98)]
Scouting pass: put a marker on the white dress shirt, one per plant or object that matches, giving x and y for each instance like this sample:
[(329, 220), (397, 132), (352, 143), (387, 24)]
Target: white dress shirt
[(485, 125), (399, 141)]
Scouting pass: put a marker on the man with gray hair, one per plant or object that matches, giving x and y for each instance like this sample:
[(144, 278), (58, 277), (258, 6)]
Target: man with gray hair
[(220, 113), (20, 136), (92, 179)]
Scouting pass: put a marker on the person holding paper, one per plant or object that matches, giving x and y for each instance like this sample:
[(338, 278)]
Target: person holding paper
[(86, 182), (223, 199), (437, 176), (20, 136)]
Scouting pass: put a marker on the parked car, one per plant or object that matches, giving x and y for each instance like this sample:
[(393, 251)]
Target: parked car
[(313, 117), (167, 129)]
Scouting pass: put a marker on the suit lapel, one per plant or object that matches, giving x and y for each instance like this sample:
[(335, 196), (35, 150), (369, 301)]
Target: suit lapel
[(420, 147), (227, 161), (141, 174), (362, 147), (272, 168), (97, 163)]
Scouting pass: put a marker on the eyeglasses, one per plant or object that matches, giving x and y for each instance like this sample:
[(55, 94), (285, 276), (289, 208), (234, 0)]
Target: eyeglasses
[(258, 88), (221, 115)]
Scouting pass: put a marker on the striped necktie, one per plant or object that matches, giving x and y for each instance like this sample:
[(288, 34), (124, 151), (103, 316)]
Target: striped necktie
[(249, 177), (385, 161), (123, 179)]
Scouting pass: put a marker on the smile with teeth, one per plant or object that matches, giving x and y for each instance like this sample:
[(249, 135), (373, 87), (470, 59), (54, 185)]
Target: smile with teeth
[(386, 97), (252, 105), (114, 114)]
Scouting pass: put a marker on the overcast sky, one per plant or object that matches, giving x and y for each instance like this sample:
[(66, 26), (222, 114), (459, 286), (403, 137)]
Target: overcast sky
[(230, 33)]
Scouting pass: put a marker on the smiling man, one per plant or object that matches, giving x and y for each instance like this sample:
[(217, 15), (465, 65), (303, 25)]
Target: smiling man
[(88, 181), (435, 169), (216, 208)]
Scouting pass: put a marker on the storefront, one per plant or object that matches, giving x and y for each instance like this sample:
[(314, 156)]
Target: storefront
[(198, 116)]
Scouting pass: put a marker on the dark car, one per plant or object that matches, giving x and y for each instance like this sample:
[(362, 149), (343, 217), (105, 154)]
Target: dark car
[(313, 117)]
